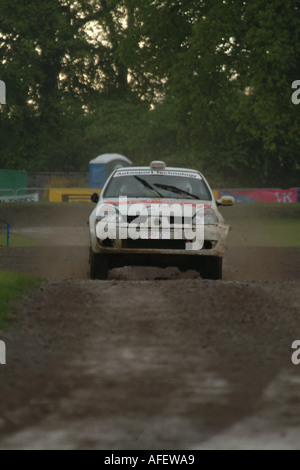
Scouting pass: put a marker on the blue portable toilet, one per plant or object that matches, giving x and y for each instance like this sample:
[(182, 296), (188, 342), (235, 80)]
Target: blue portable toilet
[(102, 166)]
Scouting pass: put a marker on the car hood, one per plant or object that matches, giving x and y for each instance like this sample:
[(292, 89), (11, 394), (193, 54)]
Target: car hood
[(124, 205)]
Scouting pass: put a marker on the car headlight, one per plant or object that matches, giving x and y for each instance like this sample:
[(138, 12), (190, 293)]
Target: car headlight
[(210, 217), (110, 214), (110, 217)]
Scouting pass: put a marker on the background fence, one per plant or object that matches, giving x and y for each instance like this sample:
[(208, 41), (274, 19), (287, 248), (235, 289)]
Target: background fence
[(24, 194), (47, 195)]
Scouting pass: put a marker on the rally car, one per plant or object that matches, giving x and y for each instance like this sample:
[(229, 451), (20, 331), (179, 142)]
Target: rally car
[(157, 216)]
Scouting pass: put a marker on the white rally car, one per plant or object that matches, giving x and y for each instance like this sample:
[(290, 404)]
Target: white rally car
[(157, 216)]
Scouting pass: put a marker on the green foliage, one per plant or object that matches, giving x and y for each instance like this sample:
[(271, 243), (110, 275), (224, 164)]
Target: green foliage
[(201, 84), (133, 130)]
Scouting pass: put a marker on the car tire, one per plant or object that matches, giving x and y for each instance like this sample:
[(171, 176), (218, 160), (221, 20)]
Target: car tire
[(212, 268), (98, 266)]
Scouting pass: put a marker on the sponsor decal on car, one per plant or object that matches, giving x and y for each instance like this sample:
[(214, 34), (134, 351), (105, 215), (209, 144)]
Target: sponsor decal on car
[(152, 221), (182, 173)]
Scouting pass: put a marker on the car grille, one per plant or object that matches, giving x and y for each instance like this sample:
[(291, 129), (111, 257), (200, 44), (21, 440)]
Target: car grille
[(155, 244), (143, 219)]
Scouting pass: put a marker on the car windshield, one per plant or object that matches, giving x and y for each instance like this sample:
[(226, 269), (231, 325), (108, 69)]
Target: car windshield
[(158, 185)]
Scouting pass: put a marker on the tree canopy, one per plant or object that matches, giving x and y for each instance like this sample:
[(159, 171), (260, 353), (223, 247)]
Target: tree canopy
[(203, 84)]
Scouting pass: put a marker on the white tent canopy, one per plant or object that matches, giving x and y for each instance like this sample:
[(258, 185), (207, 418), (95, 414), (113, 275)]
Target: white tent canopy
[(109, 157)]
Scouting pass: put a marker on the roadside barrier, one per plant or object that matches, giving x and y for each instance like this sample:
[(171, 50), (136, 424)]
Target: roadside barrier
[(5, 240), (263, 195), (67, 195)]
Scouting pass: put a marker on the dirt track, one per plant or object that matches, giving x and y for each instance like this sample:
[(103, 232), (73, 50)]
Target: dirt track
[(152, 358)]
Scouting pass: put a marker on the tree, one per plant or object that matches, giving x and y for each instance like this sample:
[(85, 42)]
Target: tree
[(229, 65), (133, 130), (207, 80), (43, 52)]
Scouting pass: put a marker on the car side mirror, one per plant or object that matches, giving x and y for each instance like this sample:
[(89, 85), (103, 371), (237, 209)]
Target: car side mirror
[(95, 198), (226, 201)]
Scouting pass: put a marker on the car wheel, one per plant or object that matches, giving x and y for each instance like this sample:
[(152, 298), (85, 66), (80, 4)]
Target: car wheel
[(98, 266), (212, 268)]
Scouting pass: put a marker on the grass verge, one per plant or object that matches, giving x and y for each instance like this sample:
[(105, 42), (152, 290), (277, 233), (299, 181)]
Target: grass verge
[(16, 241), (263, 224), (12, 287)]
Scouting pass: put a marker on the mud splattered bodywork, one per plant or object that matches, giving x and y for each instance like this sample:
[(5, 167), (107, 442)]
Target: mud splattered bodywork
[(152, 244)]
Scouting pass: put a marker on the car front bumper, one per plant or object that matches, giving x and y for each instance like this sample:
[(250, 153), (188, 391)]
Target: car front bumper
[(215, 240)]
